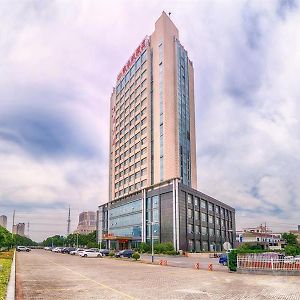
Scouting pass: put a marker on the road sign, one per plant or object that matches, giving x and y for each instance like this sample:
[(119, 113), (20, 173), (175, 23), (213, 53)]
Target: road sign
[(227, 246)]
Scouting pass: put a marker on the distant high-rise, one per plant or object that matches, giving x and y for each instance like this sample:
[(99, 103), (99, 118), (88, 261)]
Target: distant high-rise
[(87, 222), (19, 229), (3, 221), (152, 115)]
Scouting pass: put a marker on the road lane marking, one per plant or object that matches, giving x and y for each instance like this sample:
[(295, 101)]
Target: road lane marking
[(96, 282)]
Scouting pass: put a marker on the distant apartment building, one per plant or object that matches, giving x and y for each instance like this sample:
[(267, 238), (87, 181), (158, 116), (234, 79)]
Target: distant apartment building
[(87, 222), (3, 221), (152, 161), (260, 235), (19, 229)]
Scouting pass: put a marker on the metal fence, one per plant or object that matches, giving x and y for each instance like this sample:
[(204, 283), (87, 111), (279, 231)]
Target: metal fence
[(267, 263)]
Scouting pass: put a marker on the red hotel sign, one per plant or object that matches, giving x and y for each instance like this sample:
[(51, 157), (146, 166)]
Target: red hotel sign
[(133, 57)]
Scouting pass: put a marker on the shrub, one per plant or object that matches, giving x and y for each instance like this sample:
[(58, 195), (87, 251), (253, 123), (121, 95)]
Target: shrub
[(292, 250), (172, 252), (144, 247), (232, 260), (136, 256), (111, 254), (163, 247)]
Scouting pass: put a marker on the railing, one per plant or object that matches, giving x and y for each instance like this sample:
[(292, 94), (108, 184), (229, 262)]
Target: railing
[(267, 263)]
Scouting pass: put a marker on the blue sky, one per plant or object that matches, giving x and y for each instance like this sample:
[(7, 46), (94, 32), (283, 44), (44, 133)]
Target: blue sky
[(59, 61)]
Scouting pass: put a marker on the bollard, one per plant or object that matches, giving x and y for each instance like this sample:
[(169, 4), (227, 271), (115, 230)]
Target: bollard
[(197, 266), (161, 262), (165, 262), (210, 268)]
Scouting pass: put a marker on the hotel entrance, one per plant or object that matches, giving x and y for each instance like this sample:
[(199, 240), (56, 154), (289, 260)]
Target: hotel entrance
[(117, 242)]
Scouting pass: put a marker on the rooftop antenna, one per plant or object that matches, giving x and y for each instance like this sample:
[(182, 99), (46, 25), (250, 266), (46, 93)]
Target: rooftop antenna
[(169, 14), (69, 221)]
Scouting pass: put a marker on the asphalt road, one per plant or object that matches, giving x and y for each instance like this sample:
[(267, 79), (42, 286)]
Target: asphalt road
[(46, 275)]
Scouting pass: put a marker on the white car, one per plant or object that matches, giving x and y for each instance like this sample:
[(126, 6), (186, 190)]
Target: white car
[(23, 248), (77, 251), (90, 253), (57, 249)]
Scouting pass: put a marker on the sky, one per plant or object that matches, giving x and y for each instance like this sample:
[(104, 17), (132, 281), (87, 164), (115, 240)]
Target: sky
[(59, 61)]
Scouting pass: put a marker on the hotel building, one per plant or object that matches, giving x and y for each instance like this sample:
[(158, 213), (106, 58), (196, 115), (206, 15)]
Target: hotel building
[(152, 167)]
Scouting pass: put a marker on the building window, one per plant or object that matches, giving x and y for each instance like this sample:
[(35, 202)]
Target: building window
[(203, 217), (196, 215), (210, 219), (211, 231), (190, 213), (190, 228), (203, 204), (204, 230), (210, 207), (189, 198)]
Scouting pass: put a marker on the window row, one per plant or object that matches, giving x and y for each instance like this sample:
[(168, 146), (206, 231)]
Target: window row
[(127, 144), (208, 205), (130, 188), (130, 178), (131, 71), (131, 167)]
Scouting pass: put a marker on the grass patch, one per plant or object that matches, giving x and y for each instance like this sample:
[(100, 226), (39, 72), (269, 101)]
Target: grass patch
[(5, 261)]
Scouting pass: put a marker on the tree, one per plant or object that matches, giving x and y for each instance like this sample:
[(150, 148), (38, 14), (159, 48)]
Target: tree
[(290, 238)]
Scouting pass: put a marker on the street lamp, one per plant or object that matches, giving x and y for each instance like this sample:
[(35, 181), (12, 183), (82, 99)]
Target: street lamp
[(152, 241)]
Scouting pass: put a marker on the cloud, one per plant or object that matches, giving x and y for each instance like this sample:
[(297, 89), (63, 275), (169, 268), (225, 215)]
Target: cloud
[(59, 62)]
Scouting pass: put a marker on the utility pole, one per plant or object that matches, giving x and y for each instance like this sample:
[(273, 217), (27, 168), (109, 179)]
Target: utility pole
[(69, 221)]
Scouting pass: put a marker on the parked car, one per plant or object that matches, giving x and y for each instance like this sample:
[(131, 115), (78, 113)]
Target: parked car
[(77, 251), (104, 252), (57, 249), (223, 259), (90, 253), (23, 248), (297, 258), (69, 249), (124, 253)]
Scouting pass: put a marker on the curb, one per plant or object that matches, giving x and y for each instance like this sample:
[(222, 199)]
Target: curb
[(11, 289)]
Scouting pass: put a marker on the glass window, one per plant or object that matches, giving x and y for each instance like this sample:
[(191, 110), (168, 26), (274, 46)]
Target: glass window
[(190, 228), (155, 215), (190, 245), (196, 201), (203, 230), (203, 217), (155, 201), (203, 203), (196, 215), (210, 206), (197, 229), (210, 219), (190, 213), (211, 231), (189, 199)]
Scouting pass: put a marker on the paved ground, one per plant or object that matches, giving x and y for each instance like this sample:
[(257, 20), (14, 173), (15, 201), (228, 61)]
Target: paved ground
[(45, 275)]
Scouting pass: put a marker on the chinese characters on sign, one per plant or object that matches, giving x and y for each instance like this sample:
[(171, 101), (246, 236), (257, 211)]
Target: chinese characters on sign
[(133, 57)]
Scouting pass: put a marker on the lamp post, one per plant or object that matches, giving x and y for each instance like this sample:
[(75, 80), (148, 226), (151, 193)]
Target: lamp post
[(152, 242)]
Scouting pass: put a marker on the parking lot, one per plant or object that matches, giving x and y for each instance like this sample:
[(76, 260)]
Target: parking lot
[(46, 275)]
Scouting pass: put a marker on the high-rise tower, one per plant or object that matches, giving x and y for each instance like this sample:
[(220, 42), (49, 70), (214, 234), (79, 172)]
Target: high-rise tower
[(153, 115)]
